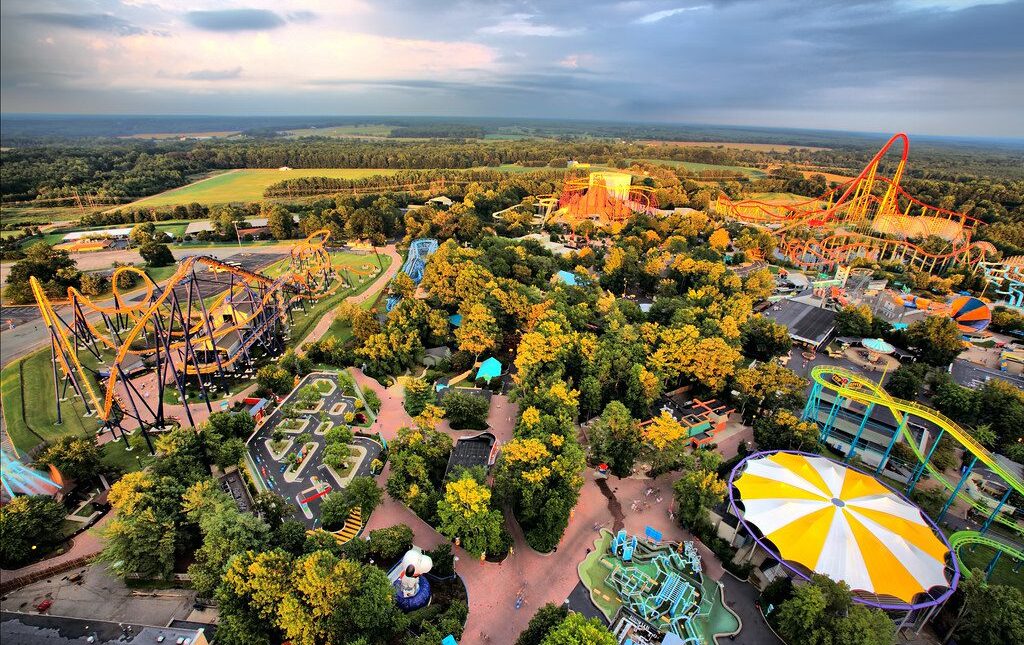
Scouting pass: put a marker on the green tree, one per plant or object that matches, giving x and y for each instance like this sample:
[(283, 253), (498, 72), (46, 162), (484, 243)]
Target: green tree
[(822, 612), (906, 381), (142, 233), (336, 455), (547, 618), (274, 379), (465, 410), (142, 536), (464, 512), (615, 439), (75, 457), (763, 339), (156, 254), (783, 430), (699, 489), (936, 339), (364, 493), (854, 320), (28, 523), (418, 394), (55, 270), (769, 387), (334, 511), (991, 614), (279, 221), (389, 544), (576, 629)]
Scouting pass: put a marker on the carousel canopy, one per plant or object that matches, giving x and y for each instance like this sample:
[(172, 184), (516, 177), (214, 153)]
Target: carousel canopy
[(878, 345), (842, 523)]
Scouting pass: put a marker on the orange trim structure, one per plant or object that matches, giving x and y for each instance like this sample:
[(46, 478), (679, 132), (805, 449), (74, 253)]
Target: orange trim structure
[(870, 216), (192, 331)]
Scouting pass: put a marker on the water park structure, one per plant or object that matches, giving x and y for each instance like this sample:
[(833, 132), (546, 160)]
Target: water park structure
[(842, 401), (647, 588), (870, 216), (199, 327), (415, 264)]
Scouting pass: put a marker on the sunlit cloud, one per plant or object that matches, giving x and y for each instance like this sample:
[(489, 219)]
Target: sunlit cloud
[(658, 16), (523, 24)]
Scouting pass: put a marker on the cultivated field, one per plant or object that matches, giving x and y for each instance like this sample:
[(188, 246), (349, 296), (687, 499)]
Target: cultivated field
[(246, 185), (693, 166), (368, 131)]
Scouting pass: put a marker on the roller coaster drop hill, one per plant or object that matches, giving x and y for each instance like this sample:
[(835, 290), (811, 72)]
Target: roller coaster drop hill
[(198, 327), (869, 216), (844, 385)]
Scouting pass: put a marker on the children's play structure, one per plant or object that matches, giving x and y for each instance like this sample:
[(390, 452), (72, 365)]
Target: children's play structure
[(870, 216), (971, 315), (639, 580), (198, 327)]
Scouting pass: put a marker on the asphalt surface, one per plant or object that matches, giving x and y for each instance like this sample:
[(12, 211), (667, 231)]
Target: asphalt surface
[(271, 471)]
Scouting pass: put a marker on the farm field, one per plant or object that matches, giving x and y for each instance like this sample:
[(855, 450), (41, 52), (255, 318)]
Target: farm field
[(246, 185), (700, 167), (16, 216), (173, 227)]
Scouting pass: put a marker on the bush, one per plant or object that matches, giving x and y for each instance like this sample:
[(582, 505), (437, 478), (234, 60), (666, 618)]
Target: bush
[(372, 400), (356, 549), (391, 543), (338, 434), (465, 410), (364, 493), (443, 559), (336, 455), (334, 511)]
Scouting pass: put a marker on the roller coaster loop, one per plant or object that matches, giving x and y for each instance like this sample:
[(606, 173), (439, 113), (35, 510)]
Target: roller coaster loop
[(200, 325)]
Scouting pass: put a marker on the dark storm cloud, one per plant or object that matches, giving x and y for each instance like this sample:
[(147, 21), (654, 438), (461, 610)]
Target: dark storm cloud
[(103, 22), (235, 20)]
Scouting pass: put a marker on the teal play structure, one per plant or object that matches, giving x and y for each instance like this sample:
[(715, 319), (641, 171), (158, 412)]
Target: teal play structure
[(661, 585)]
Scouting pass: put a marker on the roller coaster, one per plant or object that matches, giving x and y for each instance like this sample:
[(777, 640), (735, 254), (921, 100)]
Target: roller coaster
[(608, 199), (870, 216), (199, 327), (846, 386)]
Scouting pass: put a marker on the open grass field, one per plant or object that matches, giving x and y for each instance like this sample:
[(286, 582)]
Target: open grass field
[(44, 215), (172, 227), (978, 556), (246, 185), (693, 166), (761, 147), (159, 136)]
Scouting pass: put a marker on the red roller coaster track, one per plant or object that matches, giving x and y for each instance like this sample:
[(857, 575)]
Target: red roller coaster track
[(869, 216)]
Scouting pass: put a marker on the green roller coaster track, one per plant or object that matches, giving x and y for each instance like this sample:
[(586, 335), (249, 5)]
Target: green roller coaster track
[(858, 388)]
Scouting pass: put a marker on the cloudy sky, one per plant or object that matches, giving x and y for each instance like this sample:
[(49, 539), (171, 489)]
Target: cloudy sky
[(926, 66)]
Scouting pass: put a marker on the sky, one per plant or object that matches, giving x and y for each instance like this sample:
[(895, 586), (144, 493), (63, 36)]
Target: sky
[(946, 67)]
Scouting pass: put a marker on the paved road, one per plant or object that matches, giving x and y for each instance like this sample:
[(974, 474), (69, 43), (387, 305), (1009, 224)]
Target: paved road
[(271, 471)]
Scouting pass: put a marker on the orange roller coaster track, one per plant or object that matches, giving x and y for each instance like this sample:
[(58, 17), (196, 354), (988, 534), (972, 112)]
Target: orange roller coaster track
[(195, 328), (869, 216)]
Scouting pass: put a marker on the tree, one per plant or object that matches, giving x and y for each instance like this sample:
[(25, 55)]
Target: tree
[(822, 612), (27, 523), (719, 240), (465, 410), (465, 512), (334, 511), (576, 629), (336, 455), (763, 339), (478, 331), (389, 544), (992, 614), (279, 221), (274, 379), (75, 457), (142, 536), (936, 339), (906, 381), (362, 492), (769, 387), (417, 394), (854, 320), (54, 269), (142, 233), (156, 254), (402, 286), (547, 618), (295, 365), (699, 489), (615, 439), (784, 431)]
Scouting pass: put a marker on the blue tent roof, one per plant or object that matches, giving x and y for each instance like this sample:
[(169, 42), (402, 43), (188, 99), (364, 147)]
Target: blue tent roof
[(489, 369), (455, 319), (567, 277)]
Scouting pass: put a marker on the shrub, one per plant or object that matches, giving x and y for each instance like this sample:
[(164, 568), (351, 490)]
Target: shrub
[(391, 543)]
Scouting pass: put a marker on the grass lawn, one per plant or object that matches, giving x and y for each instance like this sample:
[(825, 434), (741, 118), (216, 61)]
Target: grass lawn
[(247, 185), (978, 556), (173, 227), (28, 400), (115, 454), (303, 322)]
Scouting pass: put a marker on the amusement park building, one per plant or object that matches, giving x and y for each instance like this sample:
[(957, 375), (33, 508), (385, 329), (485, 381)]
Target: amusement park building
[(808, 325)]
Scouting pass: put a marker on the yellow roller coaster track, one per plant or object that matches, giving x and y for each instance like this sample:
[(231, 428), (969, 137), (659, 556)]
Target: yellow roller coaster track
[(310, 276), (858, 388)]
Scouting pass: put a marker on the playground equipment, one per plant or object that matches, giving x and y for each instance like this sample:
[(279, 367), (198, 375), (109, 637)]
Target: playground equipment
[(971, 315), (1007, 279), (828, 518), (197, 327), (867, 395), (412, 589), (659, 583), (608, 199), (419, 252), (869, 216)]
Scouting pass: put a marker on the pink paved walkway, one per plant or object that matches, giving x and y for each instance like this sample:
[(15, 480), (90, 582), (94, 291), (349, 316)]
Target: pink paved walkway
[(87, 543), (492, 588)]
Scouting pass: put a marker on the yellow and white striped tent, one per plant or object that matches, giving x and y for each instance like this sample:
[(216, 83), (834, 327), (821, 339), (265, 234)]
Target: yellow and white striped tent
[(842, 523)]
